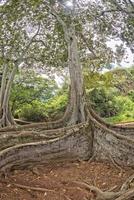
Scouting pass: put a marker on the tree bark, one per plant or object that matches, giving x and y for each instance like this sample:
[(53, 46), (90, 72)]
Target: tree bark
[(112, 143), (71, 144), (6, 118), (77, 89)]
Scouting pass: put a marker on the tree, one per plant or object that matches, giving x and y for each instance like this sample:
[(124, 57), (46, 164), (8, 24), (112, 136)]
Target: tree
[(90, 137), (14, 46)]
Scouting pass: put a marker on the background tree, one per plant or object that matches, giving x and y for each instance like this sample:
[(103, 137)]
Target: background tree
[(14, 45)]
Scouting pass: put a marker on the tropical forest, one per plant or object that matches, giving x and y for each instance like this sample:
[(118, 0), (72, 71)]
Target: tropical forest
[(67, 99)]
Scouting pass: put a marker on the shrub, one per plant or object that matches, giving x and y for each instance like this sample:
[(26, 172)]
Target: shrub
[(125, 104), (38, 111), (131, 95), (103, 102), (126, 107), (56, 106), (33, 112)]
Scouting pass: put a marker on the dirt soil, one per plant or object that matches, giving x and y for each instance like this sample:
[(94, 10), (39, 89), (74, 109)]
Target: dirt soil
[(56, 179)]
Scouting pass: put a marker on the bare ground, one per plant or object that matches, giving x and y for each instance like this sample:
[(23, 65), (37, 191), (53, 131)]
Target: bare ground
[(56, 179)]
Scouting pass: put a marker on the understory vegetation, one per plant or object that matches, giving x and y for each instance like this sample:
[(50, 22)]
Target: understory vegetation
[(36, 98)]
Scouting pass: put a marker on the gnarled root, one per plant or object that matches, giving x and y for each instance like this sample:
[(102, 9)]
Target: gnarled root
[(97, 193), (125, 193), (74, 144)]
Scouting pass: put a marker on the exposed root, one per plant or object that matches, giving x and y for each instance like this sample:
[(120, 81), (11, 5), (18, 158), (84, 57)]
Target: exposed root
[(128, 195), (31, 188), (39, 189), (22, 122), (97, 193), (66, 146), (128, 183), (9, 139), (112, 189), (92, 158), (115, 164), (125, 193)]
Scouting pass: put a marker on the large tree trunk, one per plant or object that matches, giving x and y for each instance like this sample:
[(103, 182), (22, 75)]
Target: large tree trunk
[(6, 118), (77, 90)]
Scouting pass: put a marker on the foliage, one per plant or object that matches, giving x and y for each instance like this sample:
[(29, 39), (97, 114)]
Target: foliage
[(32, 112), (126, 107), (56, 106), (29, 86), (35, 98), (103, 102), (131, 95), (19, 19), (125, 104), (111, 93), (120, 118), (41, 111)]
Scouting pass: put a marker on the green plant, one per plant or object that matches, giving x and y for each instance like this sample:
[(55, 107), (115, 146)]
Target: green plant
[(103, 102), (56, 106), (33, 112), (131, 95)]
